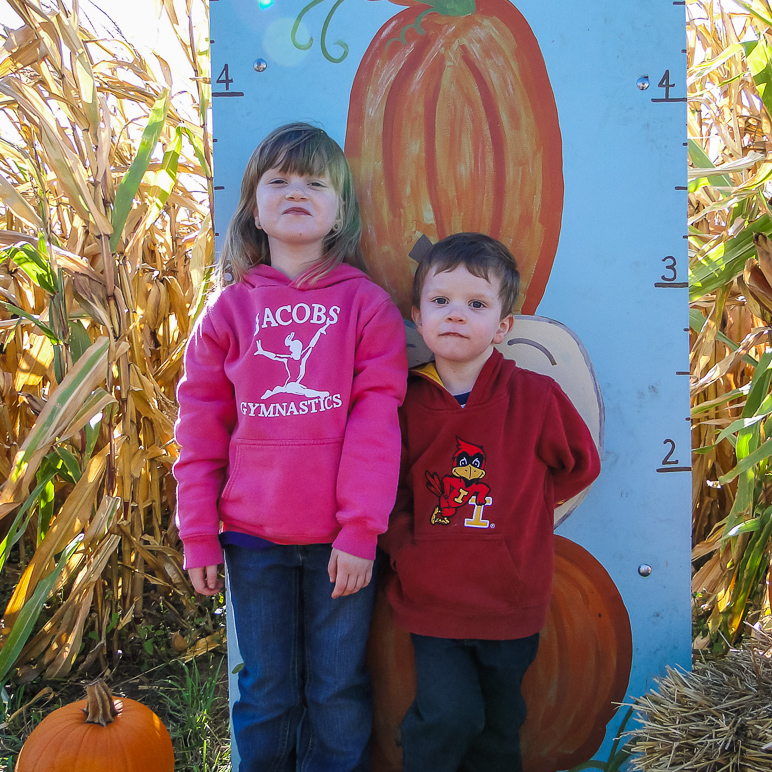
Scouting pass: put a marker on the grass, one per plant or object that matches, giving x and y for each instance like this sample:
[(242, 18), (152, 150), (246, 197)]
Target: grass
[(196, 708)]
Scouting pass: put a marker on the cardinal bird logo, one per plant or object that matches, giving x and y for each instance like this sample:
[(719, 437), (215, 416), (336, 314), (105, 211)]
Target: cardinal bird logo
[(462, 486)]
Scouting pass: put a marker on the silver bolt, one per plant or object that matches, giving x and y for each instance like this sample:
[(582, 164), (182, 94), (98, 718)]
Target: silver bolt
[(260, 65), (644, 569), (642, 83)]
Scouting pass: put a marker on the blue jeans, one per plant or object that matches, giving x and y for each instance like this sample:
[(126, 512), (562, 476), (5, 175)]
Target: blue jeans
[(304, 693), (468, 708)]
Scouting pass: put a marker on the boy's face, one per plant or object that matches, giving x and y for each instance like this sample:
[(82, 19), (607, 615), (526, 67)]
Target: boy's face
[(460, 316)]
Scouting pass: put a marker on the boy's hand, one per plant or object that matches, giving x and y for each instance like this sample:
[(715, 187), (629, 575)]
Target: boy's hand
[(349, 573), (206, 579)]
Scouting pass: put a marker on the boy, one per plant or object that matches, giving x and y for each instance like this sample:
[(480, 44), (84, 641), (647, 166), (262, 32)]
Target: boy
[(489, 450)]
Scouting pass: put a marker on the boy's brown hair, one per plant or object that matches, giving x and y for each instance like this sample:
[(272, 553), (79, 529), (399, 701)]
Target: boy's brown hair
[(481, 255)]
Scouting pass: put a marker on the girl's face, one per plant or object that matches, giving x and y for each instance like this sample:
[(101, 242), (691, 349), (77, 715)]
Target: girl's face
[(295, 209)]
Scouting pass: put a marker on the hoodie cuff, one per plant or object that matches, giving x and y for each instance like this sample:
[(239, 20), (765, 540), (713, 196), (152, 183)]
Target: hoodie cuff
[(202, 551), (357, 539)]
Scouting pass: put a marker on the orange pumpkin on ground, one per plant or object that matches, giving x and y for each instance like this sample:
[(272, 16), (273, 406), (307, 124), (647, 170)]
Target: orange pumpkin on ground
[(97, 734), (454, 128), (581, 670)]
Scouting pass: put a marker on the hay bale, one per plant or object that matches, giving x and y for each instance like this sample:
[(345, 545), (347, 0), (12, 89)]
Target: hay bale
[(718, 718)]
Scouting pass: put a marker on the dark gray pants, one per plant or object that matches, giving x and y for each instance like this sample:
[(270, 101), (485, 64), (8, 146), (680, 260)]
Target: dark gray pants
[(468, 709)]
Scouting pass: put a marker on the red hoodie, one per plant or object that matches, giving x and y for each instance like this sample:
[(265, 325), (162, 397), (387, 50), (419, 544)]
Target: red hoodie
[(288, 425), (471, 537)]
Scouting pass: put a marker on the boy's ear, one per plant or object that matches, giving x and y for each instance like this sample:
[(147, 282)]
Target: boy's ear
[(415, 313), (505, 327)]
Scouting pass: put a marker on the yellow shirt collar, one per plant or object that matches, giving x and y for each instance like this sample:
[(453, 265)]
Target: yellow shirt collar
[(430, 371)]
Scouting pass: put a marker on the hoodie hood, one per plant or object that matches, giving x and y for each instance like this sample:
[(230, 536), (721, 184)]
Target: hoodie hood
[(484, 389), (267, 276)]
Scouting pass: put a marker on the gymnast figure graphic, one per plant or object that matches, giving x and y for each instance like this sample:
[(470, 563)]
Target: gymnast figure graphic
[(295, 364)]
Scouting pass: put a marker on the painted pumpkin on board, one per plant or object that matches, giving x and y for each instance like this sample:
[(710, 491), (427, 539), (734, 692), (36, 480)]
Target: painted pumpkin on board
[(586, 641), (96, 734), (452, 126)]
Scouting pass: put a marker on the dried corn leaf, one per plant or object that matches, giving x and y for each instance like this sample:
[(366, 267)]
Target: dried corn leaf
[(76, 116), (71, 519)]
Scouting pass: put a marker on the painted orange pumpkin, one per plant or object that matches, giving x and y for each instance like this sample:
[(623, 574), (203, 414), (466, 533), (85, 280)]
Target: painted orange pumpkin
[(583, 666), (452, 126), (580, 672), (97, 734)]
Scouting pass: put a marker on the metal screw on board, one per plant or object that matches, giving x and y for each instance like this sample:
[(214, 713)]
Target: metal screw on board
[(642, 83), (260, 65), (644, 569)]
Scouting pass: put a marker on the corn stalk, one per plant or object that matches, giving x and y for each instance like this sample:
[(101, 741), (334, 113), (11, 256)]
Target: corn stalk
[(105, 247), (730, 227)]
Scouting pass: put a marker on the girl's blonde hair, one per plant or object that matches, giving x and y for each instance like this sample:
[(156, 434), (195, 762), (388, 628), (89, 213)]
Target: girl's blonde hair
[(297, 148)]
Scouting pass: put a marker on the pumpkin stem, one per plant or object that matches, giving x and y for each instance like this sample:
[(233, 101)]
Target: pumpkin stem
[(416, 25), (454, 7), (100, 708), (442, 7)]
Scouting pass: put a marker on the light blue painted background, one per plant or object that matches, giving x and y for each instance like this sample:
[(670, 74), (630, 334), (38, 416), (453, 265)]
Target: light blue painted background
[(624, 157)]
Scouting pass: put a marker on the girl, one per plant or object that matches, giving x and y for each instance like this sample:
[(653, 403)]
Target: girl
[(289, 453)]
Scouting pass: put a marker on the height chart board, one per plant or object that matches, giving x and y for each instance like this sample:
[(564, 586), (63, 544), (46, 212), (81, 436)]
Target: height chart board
[(558, 128)]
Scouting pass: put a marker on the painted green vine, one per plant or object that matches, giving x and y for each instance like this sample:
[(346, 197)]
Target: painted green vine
[(443, 7), (325, 51)]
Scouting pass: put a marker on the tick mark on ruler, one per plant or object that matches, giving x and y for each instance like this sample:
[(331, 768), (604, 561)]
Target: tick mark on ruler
[(227, 93), (665, 469), (676, 284), (219, 187)]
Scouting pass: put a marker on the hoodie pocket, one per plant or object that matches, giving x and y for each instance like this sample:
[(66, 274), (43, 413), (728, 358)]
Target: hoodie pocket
[(283, 484), (466, 576)]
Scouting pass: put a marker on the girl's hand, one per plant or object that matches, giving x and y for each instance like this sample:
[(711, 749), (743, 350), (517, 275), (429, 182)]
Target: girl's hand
[(349, 573), (206, 579)]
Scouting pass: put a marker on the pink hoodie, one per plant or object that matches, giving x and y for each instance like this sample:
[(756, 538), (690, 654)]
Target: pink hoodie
[(288, 423)]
